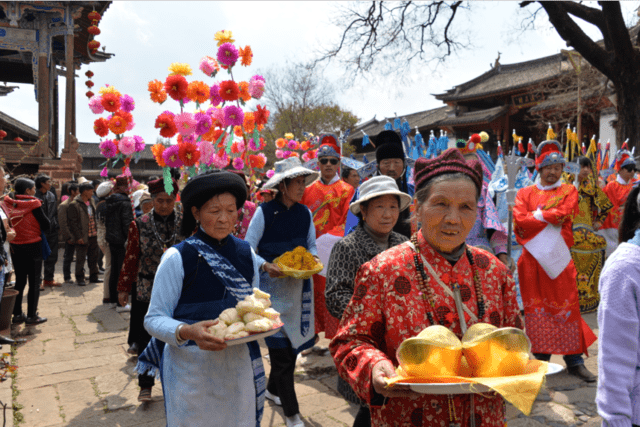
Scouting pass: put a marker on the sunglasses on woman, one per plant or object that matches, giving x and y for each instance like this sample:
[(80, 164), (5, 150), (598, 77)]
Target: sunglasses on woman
[(325, 161)]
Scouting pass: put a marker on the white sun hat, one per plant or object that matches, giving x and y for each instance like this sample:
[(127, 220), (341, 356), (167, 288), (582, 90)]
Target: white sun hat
[(380, 186), (290, 168)]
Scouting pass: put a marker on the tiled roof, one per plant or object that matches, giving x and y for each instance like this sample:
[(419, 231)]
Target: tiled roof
[(7, 120), (508, 77), (5, 90), (568, 98), (472, 117), (91, 150)]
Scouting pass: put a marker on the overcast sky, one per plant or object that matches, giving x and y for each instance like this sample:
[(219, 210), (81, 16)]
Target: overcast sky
[(146, 37)]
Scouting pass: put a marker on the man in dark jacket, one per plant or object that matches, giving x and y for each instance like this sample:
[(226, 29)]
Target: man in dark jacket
[(69, 243), (81, 219), (119, 215), (50, 209)]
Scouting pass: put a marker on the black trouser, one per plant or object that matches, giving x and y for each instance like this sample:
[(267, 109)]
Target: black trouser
[(90, 253), (283, 365), (50, 262), (138, 334), (25, 259), (67, 259), (363, 417), (117, 259)]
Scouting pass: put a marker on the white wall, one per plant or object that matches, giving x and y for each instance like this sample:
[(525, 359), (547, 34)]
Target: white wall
[(607, 132)]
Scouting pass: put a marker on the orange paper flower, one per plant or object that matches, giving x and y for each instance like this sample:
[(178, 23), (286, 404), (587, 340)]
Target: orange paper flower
[(246, 56), (157, 92), (157, 151), (257, 161), (249, 122), (117, 125), (198, 91), (237, 130), (281, 142), (244, 91)]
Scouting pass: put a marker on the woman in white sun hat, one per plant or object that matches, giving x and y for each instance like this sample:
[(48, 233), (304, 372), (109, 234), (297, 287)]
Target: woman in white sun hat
[(277, 227), (378, 210)]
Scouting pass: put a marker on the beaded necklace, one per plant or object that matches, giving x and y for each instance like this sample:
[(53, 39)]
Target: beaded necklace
[(155, 230), (424, 283)]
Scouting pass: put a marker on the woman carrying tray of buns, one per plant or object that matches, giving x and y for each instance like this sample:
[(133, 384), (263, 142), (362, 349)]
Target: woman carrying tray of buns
[(204, 381), (415, 285), (280, 226)]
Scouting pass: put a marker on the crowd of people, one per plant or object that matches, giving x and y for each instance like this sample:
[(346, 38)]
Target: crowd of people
[(419, 244)]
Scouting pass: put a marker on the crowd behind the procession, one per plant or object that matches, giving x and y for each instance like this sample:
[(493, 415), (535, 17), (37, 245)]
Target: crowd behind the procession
[(418, 244)]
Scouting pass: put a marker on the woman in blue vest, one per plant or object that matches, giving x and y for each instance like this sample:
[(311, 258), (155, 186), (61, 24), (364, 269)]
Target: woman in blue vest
[(277, 227), (204, 381)]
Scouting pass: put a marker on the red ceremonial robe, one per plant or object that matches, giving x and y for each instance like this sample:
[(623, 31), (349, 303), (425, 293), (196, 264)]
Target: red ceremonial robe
[(617, 194), (389, 305), (551, 307), (329, 205)]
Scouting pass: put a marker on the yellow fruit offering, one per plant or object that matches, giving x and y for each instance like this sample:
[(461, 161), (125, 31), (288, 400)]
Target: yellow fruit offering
[(298, 259), (493, 352)]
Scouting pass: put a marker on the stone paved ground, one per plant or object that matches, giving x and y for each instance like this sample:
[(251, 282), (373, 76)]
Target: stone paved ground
[(74, 371)]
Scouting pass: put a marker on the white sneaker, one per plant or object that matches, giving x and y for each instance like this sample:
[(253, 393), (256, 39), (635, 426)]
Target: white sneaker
[(295, 421), (120, 309), (275, 399)]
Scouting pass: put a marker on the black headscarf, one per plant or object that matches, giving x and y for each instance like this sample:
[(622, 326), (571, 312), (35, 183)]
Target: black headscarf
[(201, 188)]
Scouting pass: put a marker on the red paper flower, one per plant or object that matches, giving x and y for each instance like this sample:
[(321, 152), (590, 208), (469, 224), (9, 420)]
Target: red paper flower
[(261, 115), (189, 154), (101, 127), (93, 30), (167, 127), (111, 102), (93, 45), (257, 161), (128, 117), (176, 87), (229, 90)]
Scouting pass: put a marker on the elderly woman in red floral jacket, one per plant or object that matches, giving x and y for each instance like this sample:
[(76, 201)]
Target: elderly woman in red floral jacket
[(422, 275)]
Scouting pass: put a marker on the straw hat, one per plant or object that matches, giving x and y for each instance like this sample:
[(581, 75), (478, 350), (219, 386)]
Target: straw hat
[(104, 189), (290, 168), (380, 186)]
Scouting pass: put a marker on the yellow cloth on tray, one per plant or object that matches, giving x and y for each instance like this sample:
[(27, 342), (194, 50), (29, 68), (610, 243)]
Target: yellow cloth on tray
[(519, 390)]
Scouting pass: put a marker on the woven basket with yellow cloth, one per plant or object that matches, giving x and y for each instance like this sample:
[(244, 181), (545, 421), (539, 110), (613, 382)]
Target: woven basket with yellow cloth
[(495, 358), (298, 263)]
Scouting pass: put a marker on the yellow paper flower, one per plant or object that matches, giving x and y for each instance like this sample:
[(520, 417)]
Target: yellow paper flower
[(180, 68), (288, 135), (223, 36), (109, 89)]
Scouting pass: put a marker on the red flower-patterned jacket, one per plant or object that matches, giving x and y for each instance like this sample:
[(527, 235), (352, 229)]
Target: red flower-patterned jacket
[(389, 306)]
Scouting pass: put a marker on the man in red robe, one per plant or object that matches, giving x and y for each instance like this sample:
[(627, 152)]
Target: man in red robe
[(328, 199), (617, 192), (543, 215)]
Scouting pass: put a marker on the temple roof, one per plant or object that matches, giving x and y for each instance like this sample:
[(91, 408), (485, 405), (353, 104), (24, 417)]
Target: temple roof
[(8, 123), (507, 78), (421, 119), (475, 117)]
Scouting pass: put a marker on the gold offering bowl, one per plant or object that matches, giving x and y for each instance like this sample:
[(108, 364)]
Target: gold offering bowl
[(435, 352), (495, 352)]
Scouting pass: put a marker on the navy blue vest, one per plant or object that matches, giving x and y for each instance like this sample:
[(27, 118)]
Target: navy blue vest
[(284, 229), (203, 296)]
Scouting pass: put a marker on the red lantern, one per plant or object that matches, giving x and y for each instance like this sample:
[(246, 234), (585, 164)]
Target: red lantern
[(93, 45), (89, 94), (2, 134), (89, 84), (93, 51), (94, 17), (89, 74), (93, 30), (18, 139)]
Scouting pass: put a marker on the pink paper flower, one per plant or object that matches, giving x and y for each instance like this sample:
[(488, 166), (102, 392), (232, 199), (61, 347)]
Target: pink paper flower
[(104, 173), (214, 95), (270, 173), (127, 145), (127, 103), (208, 66), (189, 139), (240, 146), (139, 143), (256, 89), (203, 123), (257, 77), (95, 104), (238, 163), (185, 123), (108, 148), (252, 145), (219, 162), (206, 151), (171, 158), (227, 54), (293, 145), (131, 125), (279, 154), (234, 116), (127, 172), (218, 114), (169, 113), (306, 157)]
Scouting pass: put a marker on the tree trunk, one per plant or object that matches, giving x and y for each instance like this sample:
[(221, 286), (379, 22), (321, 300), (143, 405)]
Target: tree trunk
[(628, 126)]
